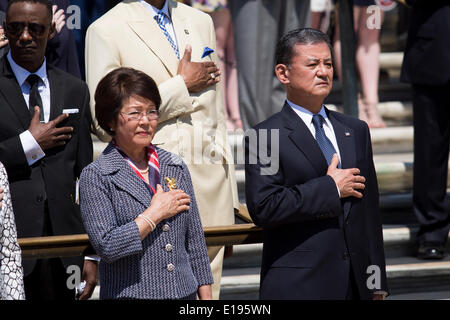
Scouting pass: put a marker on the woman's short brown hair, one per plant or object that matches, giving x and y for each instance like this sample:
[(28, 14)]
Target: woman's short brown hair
[(117, 87)]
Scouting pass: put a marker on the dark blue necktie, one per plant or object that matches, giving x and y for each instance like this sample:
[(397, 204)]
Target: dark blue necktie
[(324, 143)]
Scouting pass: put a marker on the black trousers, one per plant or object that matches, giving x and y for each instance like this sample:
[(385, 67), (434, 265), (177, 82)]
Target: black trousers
[(48, 280), (352, 291), (431, 105)]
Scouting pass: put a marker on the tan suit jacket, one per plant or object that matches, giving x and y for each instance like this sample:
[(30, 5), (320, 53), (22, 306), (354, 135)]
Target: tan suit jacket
[(190, 125)]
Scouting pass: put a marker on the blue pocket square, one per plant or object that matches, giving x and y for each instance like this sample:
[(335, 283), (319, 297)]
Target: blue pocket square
[(207, 51)]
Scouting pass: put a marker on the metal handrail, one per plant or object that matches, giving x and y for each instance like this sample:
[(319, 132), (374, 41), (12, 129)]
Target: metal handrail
[(78, 244)]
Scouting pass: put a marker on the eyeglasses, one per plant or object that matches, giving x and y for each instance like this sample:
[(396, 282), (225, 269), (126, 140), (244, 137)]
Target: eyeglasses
[(137, 116), (34, 29)]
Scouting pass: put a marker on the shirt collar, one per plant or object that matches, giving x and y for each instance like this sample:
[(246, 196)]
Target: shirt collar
[(153, 10), (305, 114), (22, 74)]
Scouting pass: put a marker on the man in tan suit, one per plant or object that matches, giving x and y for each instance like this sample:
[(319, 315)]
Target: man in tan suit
[(172, 47)]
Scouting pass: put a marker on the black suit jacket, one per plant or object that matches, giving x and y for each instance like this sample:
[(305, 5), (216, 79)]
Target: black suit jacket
[(427, 59), (311, 237), (53, 177)]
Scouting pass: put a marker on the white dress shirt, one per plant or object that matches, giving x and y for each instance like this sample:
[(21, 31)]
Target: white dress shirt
[(167, 19), (307, 116), (31, 148)]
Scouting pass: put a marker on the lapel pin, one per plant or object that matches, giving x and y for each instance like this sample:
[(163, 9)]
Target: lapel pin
[(347, 134), (186, 31), (171, 183)]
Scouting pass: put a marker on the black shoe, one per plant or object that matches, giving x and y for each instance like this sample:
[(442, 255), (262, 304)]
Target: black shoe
[(431, 250)]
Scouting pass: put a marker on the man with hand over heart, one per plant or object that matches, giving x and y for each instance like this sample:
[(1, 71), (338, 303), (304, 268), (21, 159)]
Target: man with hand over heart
[(319, 209), (175, 45), (45, 143)]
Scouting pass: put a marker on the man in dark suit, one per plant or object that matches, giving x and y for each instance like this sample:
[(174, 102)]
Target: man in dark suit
[(44, 144), (426, 66), (312, 186)]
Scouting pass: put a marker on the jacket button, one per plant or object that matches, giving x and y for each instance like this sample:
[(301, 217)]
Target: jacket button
[(169, 247), (165, 227), (39, 198), (345, 256), (170, 267)]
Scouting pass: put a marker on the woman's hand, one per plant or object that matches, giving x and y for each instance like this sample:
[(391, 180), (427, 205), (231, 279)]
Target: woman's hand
[(204, 292), (165, 205)]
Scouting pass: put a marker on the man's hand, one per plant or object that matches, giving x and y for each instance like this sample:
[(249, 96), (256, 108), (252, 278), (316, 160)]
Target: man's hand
[(379, 296), (90, 276), (47, 135), (347, 180), (59, 19), (3, 40), (197, 75)]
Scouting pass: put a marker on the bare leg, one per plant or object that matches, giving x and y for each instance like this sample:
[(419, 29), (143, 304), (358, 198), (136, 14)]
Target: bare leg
[(367, 60), (232, 97), (362, 113), (220, 26)]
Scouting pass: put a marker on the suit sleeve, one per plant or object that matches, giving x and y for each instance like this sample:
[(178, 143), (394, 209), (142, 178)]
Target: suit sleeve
[(196, 243), (84, 150), (373, 222), (103, 56), (272, 203), (13, 157), (110, 240)]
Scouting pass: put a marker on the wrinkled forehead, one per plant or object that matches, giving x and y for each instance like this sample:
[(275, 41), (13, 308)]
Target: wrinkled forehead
[(314, 51)]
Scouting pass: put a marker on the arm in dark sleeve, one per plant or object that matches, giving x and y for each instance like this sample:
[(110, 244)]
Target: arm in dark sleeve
[(272, 203), (84, 152), (374, 228), (196, 243)]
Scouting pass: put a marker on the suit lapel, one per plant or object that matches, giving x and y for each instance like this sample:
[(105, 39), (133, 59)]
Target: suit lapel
[(147, 29), (302, 138), (346, 142), (180, 26), (56, 98), (13, 95), (123, 177)]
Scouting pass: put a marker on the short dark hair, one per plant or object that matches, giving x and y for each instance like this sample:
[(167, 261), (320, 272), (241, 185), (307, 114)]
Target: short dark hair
[(47, 3), (307, 36), (117, 87)]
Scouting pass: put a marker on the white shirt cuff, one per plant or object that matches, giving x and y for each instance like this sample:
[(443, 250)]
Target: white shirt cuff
[(31, 148), (92, 258)]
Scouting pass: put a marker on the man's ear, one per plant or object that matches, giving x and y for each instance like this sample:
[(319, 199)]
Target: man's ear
[(282, 73), (52, 31)]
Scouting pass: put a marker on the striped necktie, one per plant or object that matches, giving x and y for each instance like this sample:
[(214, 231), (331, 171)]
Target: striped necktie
[(160, 17)]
